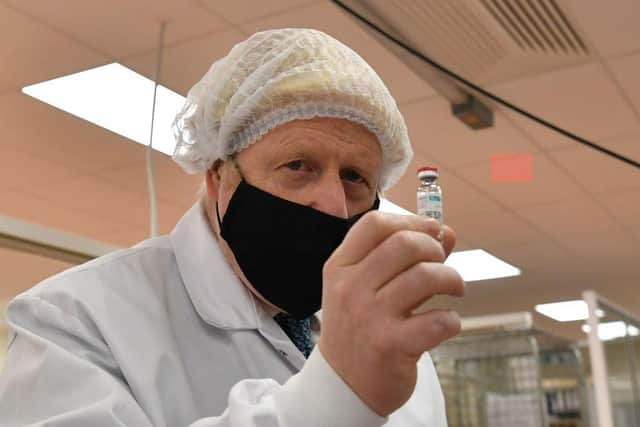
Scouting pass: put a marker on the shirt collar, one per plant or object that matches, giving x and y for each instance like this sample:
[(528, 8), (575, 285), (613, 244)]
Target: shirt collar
[(217, 294)]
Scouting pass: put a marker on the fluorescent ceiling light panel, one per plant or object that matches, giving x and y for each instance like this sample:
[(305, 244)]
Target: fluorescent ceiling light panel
[(567, 311), (611, 330), (477, 264), (115, 98), (564, 311)]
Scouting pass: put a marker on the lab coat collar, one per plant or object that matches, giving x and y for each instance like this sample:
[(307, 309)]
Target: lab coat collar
[(216, 292)]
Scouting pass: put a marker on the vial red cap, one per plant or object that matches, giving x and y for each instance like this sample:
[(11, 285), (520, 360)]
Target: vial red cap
[(427, 168)]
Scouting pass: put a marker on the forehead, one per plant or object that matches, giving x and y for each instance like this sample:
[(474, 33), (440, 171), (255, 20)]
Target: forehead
[(323, 136)]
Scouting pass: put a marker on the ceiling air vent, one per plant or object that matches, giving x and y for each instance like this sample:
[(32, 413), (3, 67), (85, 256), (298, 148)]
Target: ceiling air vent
[(537, 25), (486, 41)]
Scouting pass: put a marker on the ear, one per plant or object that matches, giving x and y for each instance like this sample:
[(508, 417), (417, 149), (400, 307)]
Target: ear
[(213, 180)]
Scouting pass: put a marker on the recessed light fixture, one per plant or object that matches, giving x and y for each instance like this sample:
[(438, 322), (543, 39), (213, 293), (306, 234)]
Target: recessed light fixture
[(117, 99), (611, 330), (567, 311), (478, 264), (564, 311)]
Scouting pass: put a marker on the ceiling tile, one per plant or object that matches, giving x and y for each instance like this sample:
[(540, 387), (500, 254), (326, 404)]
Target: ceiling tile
[(550, 140), (611, 252), (572, 215), (119, 28), (129, 237), (36, 53), (185, 63), (491, 229), (462, 198), (624, 294), (541, 136), (168, 217), (597, 171), (172, 183), (97, 197), (627, 71), (19, 170), (612, 27), (43, 131), (628, 146), (550, 264), (21, 271), (624, 205), (436, 132), (583, 100), (242, 11), (403, 83), (58, 215), (548, 184)]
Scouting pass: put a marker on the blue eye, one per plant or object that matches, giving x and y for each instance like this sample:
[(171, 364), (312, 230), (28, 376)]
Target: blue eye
[(353, 176), (295, 165)]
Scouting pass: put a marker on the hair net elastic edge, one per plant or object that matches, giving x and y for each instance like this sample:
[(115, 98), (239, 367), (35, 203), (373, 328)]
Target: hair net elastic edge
[(300, 111)]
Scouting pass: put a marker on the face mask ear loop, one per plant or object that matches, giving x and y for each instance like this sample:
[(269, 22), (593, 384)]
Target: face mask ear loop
[(232, 159), (218, 217), (376, 202)]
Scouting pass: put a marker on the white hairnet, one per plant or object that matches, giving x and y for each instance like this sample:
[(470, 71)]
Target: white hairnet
[(282, 75)]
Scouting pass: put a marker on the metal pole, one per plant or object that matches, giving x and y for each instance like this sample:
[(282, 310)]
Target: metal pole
[(582, 387), (631, 363), (151, 182), (542, 407), (598, 364)]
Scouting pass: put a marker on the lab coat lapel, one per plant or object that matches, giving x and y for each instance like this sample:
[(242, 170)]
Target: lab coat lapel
[(216, 292)]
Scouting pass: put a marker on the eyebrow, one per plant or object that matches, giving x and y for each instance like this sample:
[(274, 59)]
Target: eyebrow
[(306, 143)]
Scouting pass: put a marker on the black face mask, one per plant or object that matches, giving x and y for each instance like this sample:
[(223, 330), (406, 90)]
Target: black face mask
[(282, 246)]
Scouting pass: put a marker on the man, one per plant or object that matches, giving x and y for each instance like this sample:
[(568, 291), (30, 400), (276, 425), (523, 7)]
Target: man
[(209, 326)]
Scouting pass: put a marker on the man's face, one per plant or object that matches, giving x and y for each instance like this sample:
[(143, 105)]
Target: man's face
[(329, 164)]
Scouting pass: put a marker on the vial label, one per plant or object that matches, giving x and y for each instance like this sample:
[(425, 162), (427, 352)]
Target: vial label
[(430, 205)]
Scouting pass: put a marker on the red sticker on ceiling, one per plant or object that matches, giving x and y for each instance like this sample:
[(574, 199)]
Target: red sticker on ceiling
[(511, 167)]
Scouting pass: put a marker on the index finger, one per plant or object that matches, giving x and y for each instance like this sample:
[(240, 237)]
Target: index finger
[(373, 228)]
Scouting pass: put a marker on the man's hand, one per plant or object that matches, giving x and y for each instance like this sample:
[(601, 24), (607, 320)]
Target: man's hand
[(386, 266)]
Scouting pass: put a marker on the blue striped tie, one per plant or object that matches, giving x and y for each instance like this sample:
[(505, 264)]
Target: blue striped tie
[(298, 331)]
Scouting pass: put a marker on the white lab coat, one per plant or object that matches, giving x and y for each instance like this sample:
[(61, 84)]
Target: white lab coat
[(164, 334)]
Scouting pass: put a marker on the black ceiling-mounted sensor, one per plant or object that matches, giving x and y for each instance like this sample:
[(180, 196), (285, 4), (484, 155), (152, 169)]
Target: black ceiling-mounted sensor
[(473, 113)]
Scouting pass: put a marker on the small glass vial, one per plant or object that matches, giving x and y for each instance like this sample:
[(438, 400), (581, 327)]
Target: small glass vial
[(429, 194)]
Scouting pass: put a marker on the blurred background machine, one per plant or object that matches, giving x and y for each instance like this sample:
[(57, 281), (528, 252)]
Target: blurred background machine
[(502, 371)]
